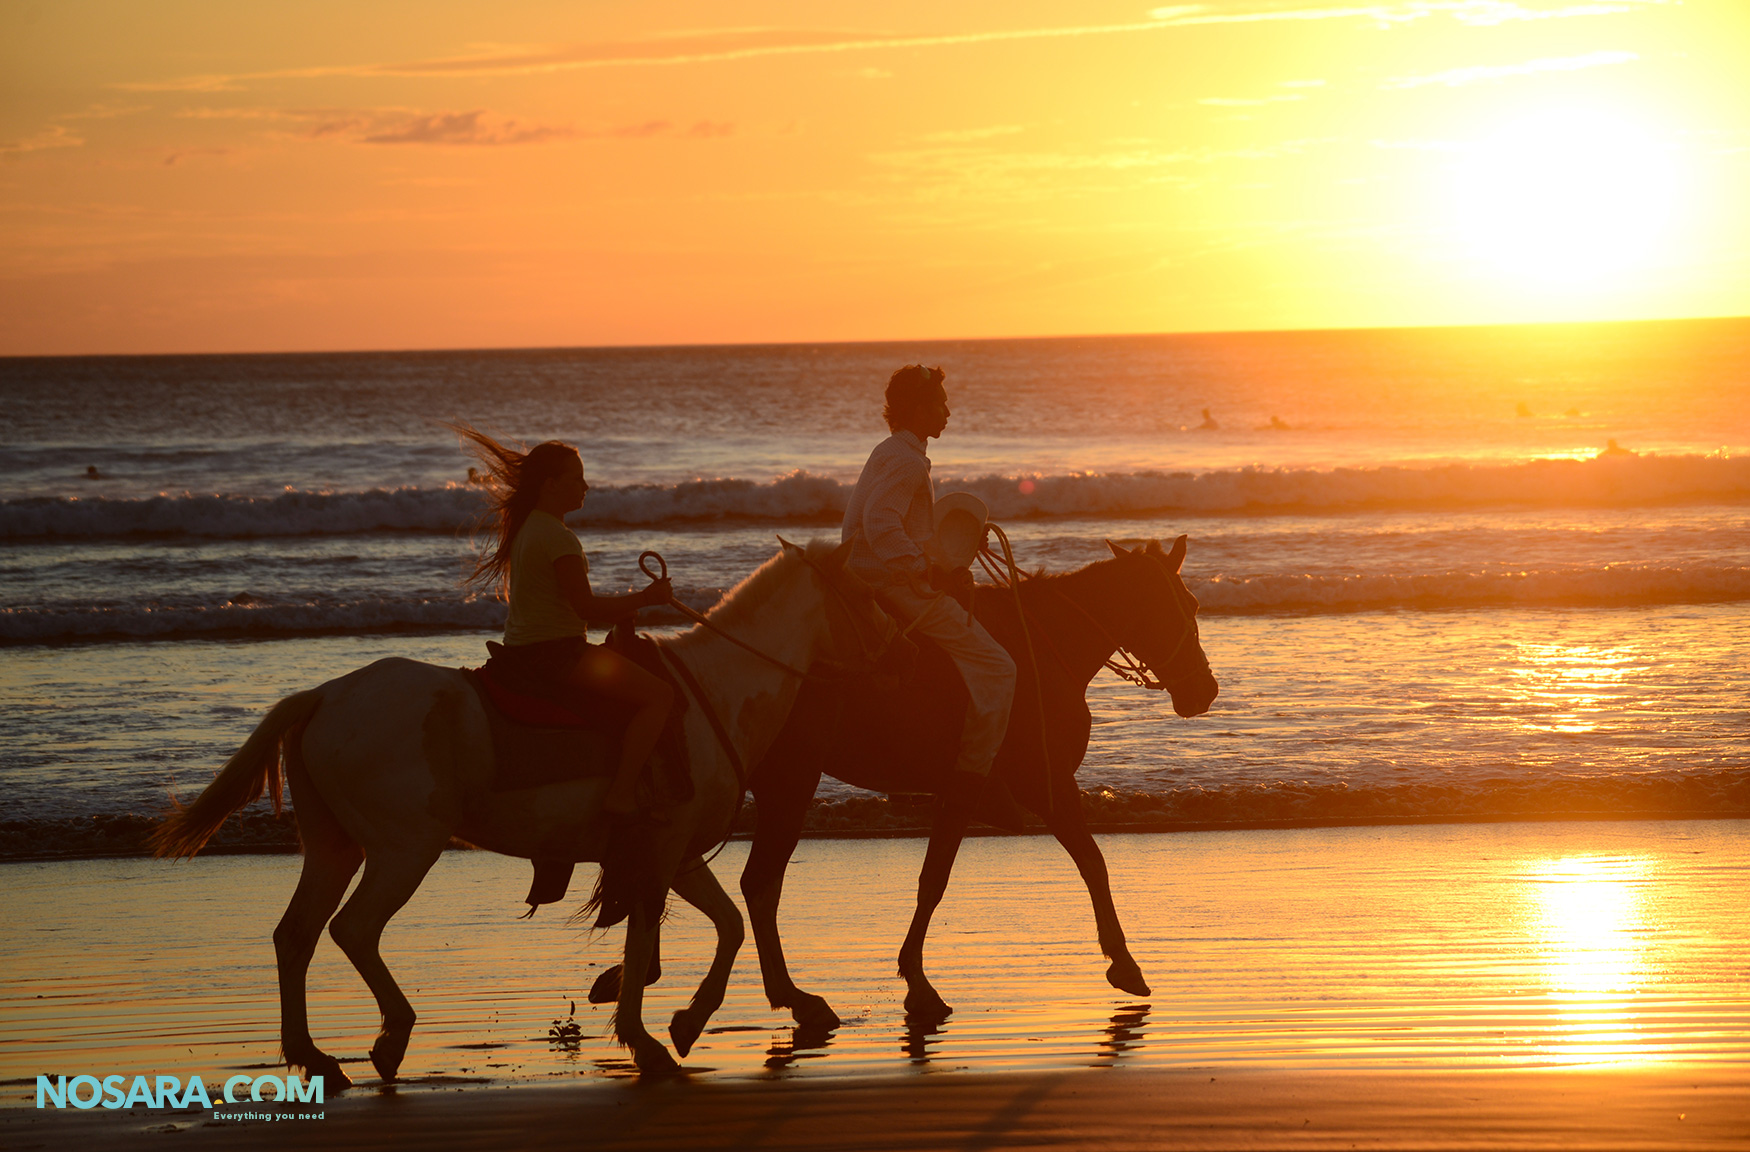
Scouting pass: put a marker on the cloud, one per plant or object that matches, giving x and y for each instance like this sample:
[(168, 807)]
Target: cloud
[(751, 43), (178, 157), (464, 128), (1455, 77), (474, 127), (54, 136)]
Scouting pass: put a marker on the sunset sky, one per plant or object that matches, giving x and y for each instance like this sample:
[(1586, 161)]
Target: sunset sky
[(221, 176)]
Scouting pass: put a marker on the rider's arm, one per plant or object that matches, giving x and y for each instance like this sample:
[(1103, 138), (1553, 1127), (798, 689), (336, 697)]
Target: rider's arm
[(573, 580)]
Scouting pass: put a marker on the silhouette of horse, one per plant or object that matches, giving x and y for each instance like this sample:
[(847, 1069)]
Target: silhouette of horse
[(387, 763), (905, 740)]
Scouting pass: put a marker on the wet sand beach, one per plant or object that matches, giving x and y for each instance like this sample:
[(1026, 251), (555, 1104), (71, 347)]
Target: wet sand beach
[(1476, 982)]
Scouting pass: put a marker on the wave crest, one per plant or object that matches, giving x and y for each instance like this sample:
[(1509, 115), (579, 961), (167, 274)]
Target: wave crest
[(802, 496)]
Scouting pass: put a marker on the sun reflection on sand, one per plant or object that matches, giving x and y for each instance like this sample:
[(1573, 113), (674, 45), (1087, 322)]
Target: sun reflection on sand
[(1589, 920)]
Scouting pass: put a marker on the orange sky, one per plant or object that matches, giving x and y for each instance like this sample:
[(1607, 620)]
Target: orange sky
[(221, 176)]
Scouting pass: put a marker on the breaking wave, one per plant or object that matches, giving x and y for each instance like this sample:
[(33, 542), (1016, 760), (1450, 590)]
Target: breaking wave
[(805, 497), (461, 613)]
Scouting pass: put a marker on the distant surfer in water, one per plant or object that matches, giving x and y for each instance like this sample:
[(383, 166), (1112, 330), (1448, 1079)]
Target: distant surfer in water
[(1209, 424), (1615, 449), (890, 519), (91, 472)]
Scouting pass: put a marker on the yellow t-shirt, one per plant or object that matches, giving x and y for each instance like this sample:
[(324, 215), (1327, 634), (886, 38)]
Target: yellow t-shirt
[(537, 611)]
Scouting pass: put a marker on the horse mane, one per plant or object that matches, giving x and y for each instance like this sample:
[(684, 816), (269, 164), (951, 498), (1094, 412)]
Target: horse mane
[(742, 602)]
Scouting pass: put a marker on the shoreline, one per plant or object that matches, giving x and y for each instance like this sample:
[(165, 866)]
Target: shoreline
[(981, 831)]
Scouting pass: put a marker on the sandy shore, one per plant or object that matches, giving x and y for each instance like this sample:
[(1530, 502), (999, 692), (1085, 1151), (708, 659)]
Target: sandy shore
[(1086, 1109), (1462, 986)]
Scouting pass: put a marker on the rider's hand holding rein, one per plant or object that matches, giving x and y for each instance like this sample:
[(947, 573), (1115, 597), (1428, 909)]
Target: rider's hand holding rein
[(563, 493)]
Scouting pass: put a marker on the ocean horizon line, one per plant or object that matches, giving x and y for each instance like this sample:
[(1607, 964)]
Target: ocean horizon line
[(873, 342)]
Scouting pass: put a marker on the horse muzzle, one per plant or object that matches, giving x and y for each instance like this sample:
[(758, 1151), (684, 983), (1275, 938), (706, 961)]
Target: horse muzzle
[(1193, 695)]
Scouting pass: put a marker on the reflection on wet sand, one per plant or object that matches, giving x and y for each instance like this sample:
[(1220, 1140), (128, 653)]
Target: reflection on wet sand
[(806, 1042), (1435, 946), (1123, 1033), (915, 1041), (1588, 913)]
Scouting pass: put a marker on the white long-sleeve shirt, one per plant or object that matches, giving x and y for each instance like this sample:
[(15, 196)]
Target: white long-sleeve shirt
[(893, 510)]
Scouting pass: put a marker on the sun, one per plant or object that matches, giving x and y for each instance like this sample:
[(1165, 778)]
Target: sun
[(1571, 199)]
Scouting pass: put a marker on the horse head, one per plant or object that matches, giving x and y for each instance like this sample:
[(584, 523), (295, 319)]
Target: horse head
[(1163, 632), (861, 636)]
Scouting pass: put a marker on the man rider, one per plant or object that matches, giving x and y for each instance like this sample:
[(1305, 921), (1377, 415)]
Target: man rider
[(890, 517)]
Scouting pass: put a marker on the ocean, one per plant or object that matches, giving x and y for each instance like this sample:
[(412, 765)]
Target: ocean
[(1430, 586)]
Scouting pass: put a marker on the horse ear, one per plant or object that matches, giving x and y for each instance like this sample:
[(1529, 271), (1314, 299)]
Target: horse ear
[(835, 560), (1118, 549), (789, 547), (1176, 557)]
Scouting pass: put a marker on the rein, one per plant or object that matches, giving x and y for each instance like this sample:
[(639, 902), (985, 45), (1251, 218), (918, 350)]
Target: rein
[(717, 728), (699, 617), (1122, 663), (1014, 583), (692, 682)]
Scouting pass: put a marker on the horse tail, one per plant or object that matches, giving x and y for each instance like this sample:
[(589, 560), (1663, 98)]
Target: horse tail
[(629, 878), (253, 769)]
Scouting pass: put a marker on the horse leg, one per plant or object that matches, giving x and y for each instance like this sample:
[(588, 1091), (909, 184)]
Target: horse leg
[(390, 878), (329, 864), (1069, 826), (783, 793), (949, 828), (647, 1052), (699, 887)]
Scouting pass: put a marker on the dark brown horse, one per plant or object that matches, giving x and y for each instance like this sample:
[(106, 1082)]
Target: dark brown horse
[(904, 739)]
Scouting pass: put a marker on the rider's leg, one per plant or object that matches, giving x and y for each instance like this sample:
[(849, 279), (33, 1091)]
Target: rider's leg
[(606, 672)]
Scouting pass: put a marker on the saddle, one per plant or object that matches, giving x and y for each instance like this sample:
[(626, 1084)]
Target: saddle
[(914, 720), (542, 735)]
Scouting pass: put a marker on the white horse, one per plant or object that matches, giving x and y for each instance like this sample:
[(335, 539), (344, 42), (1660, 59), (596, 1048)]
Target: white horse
[(388, 763)]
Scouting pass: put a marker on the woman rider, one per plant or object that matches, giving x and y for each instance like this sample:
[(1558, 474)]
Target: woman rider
[(541, 563)]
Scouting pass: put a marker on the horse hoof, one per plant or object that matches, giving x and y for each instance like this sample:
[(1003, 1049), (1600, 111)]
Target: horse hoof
[(327, 1067), (387, 1052), (1127, 977), (683, 1030), (814, 1013), (923, 1004), (606, 989), (653, 1060)]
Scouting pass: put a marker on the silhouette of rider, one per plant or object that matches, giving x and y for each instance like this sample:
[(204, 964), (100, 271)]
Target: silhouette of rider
[(890, 517), (541, 563)]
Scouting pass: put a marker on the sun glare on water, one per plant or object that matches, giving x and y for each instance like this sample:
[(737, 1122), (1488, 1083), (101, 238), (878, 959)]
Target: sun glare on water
[(1568, 199)]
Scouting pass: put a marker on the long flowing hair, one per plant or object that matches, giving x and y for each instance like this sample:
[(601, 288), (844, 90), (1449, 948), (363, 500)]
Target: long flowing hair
[(514, 481)]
